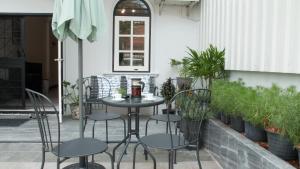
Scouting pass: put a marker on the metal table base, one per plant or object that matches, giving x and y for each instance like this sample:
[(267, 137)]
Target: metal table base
[(130, 132), (90, 166)]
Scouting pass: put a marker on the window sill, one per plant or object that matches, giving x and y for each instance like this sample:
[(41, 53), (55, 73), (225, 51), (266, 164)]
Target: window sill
[(131, 73)]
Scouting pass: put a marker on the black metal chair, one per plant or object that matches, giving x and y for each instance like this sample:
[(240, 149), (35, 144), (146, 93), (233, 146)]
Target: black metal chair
[(190, 104), (98, 87), (84, 147), (174, 118)]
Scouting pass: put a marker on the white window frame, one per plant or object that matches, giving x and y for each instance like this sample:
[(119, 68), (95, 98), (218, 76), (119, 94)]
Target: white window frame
[(146, 51)]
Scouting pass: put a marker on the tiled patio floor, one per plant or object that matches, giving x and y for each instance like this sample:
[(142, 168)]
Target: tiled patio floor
[(20, 147)]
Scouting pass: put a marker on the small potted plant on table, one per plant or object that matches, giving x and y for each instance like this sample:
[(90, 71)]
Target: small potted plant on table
[(168, 91)]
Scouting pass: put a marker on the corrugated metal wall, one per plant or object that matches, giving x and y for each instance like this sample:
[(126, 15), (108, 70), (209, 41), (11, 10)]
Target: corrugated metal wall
[(258, 35)]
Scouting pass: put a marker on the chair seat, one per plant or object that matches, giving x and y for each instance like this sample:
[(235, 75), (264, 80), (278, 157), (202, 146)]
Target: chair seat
[(80, 147), (102, 116), (163, 141), (164, 117)]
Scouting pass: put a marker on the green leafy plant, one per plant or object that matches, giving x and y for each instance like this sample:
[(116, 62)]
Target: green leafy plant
[(204, 66), (70, 93), (292, 119), (188, 104), (167, 90), (122, 91)]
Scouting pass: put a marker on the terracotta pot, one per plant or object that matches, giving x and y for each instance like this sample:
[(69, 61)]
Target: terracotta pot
[(74, 111)]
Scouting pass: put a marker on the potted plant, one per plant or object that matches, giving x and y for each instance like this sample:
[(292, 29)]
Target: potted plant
[(168, 91), (71, 97), (192, 115), (237, 100), (293, 119), (184, 82), (279, 105), (221, 99), (254, 115)]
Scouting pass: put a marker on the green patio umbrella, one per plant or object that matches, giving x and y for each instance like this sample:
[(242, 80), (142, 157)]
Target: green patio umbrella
[(79, 20)]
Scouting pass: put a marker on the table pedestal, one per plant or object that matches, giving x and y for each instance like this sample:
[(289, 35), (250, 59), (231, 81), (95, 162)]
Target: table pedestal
[(130, 132), (90, 166)]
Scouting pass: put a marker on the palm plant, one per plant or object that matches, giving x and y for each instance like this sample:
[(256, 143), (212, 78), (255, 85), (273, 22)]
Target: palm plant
[(204, 66)]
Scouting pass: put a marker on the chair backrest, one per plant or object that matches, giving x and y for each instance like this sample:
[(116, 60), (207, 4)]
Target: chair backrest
[(97, 87), (43, 106), (192, 106)]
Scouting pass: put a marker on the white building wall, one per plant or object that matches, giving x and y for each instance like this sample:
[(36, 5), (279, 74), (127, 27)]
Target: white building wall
[(261, 38), (26, 6), (171, 33)]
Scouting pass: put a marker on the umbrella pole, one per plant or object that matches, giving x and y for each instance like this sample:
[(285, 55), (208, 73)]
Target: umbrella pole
[(80, 84), (82, 160)]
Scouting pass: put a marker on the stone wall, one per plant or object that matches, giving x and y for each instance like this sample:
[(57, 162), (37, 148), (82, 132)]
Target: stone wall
[(234, 151)]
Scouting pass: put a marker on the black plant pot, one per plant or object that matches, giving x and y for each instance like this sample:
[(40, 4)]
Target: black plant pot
[(237, 123), (281, 146), (218, 115), (225, 118), (255, 133), (299, 155), (190, 132), (172, 111)]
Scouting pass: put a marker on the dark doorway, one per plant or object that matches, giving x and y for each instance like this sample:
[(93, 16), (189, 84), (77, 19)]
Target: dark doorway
[(27, 44)]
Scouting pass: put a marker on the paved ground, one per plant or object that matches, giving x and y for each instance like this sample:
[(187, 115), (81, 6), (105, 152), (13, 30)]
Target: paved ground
[(20, 146)]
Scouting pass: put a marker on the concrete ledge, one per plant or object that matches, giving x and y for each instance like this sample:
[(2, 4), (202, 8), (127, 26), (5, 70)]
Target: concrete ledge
[(234, 151)]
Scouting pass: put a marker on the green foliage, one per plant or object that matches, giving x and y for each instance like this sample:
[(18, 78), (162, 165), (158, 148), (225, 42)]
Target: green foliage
[(205, 66), (189, 105), (70, 93), (292, 118), (167, 90), (122, 91), (273, 108)]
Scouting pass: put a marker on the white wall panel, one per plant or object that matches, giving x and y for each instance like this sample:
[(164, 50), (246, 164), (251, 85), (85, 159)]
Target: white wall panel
[(26, 6), (258, 35)]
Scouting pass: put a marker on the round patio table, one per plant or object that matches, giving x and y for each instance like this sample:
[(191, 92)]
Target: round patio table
[(131, 103), (82, 148)]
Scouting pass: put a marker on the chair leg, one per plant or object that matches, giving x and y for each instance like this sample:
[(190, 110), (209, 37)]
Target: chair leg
[(176, 130), (58, 163), (167, 124), (111, 159), (134, 154), (87, 162), (124, 124), (146, 130), (198, 156), (156, 112), (172, 159), (106, 131), (93, 136), (175, 157), (43, 158), (169, 159), (148, 152), (85, 122), (146, 133)]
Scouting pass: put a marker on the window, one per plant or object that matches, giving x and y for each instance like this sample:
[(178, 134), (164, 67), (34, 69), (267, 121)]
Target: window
[(131, 36)]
